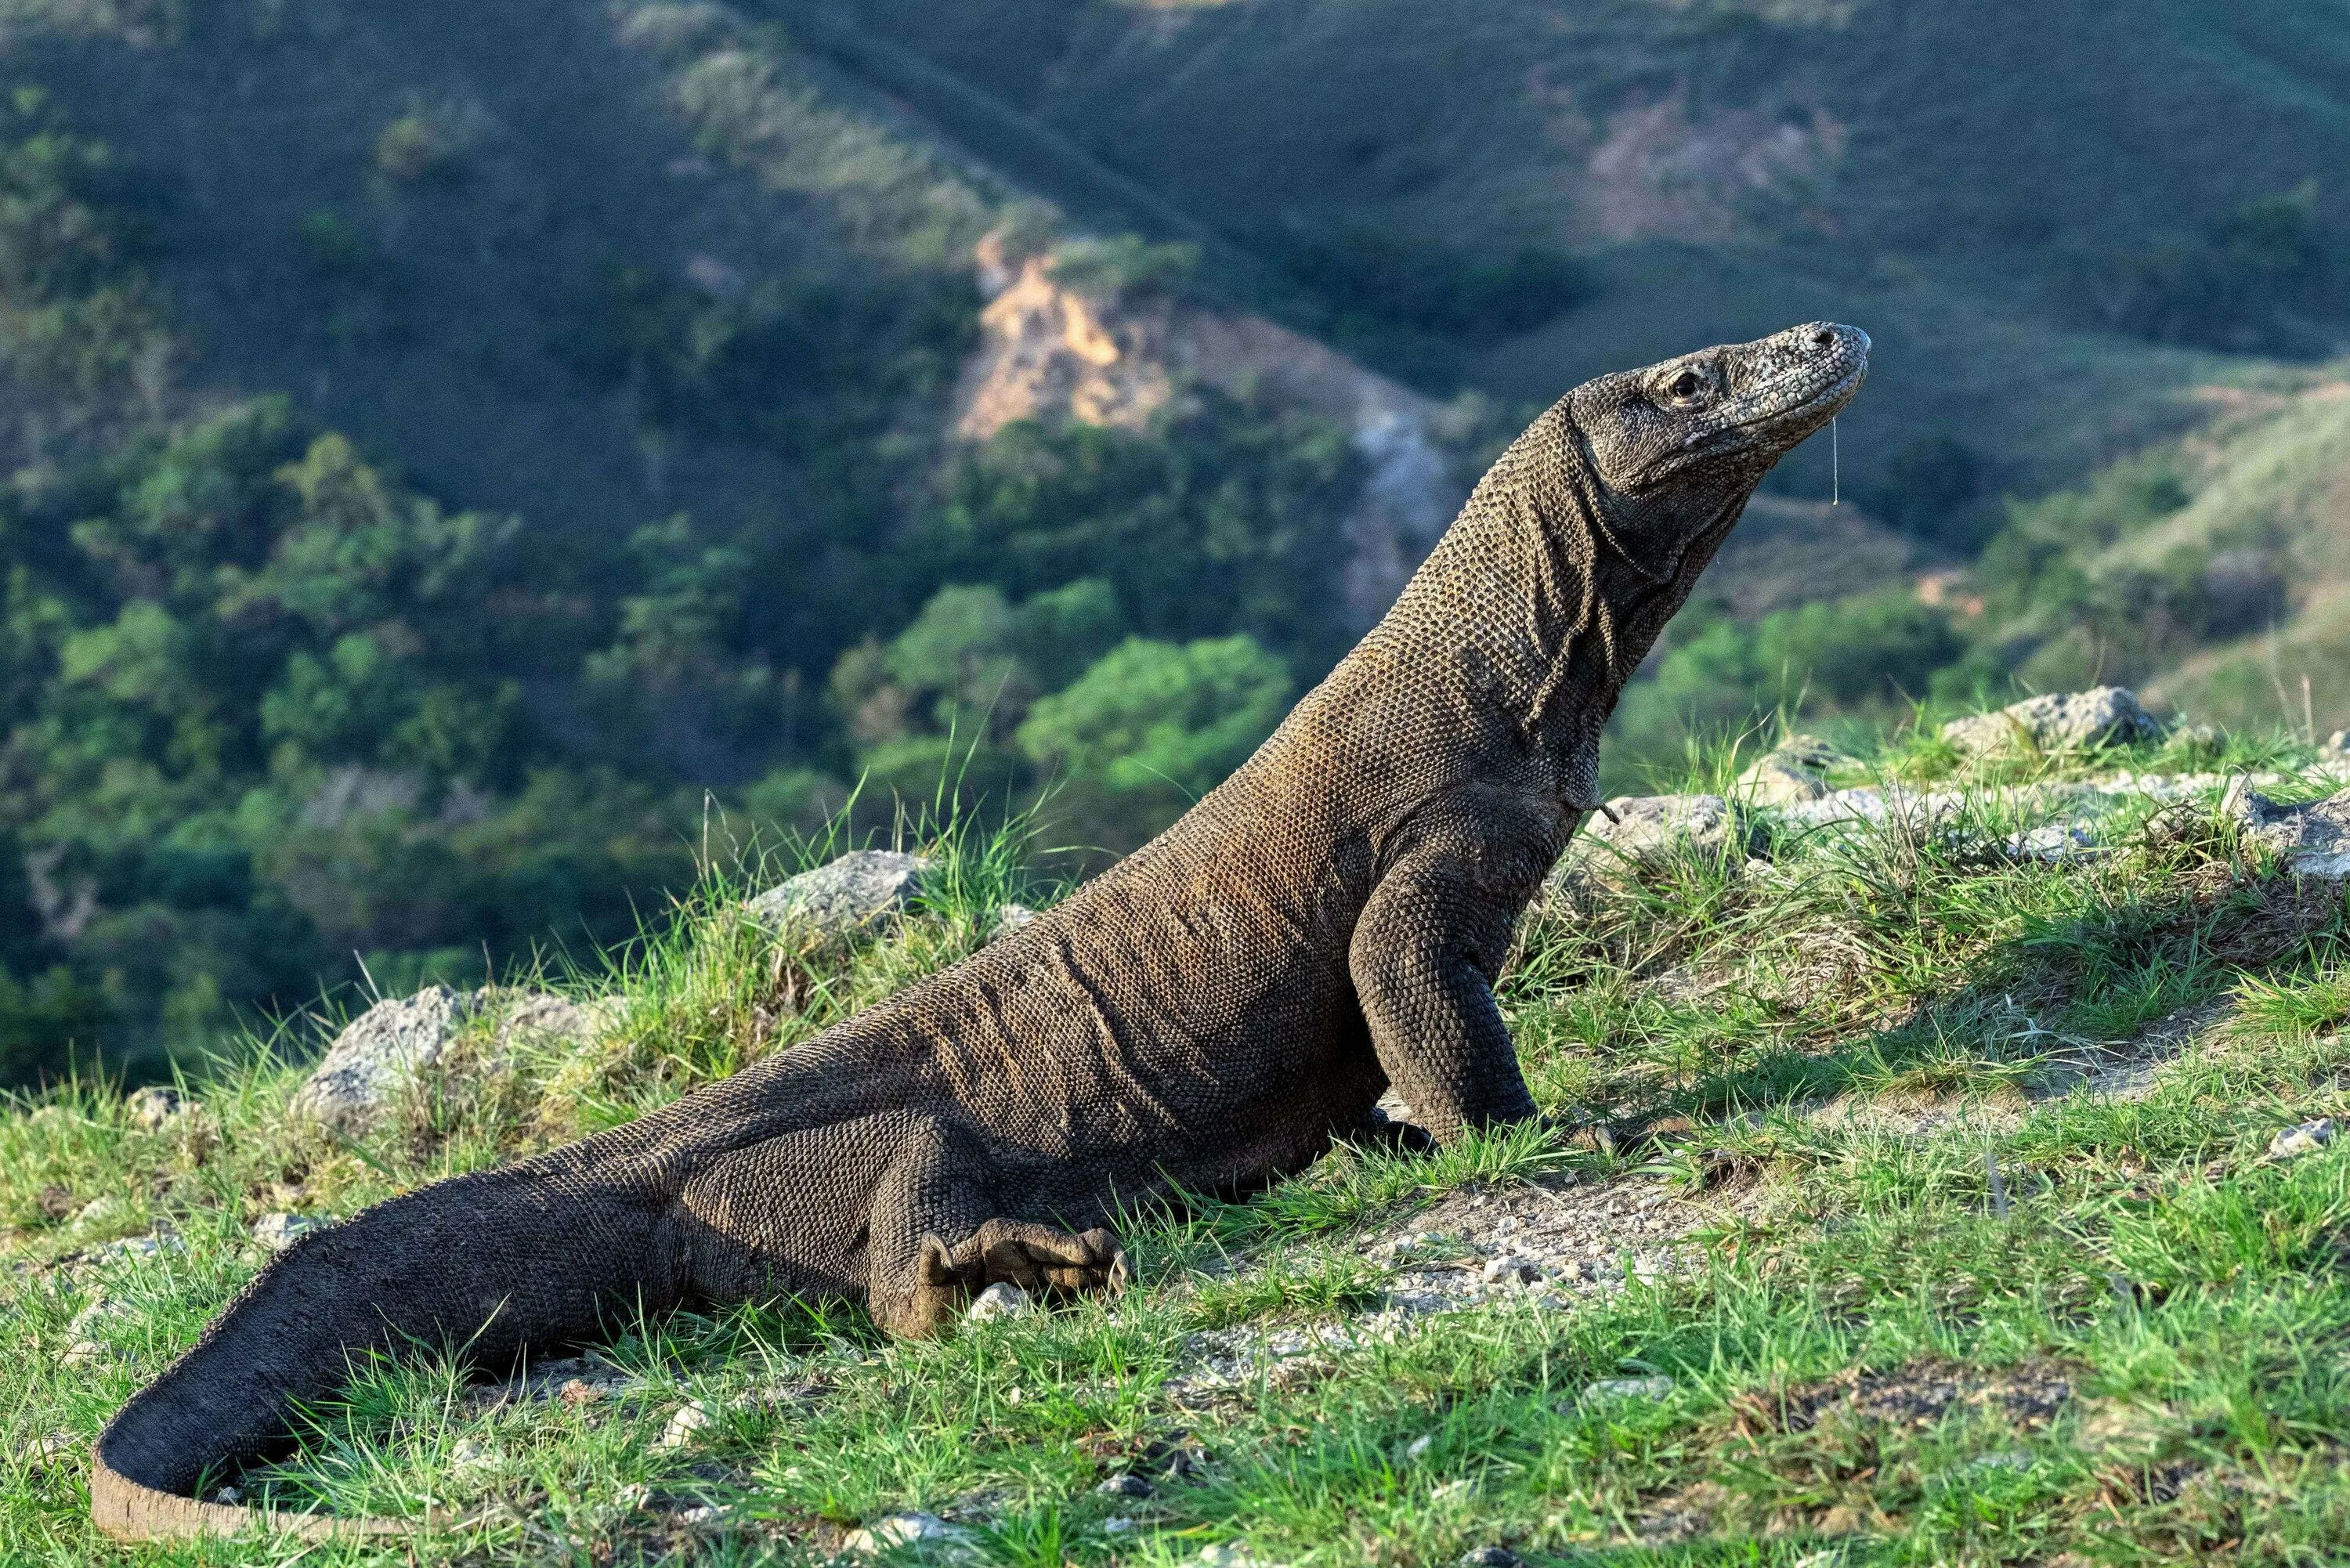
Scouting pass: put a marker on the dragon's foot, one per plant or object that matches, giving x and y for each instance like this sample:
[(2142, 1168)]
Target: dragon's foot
[(1042, 1259), (1045, 1261)]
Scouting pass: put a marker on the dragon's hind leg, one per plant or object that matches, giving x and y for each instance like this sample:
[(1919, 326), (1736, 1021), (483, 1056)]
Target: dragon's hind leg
[(939, 1236), (903, 1207)]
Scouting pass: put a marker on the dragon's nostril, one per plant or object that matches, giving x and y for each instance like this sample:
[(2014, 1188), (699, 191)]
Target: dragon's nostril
[(1823, 336)]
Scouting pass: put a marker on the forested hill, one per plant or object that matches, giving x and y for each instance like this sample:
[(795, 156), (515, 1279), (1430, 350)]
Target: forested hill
[(465, 462)]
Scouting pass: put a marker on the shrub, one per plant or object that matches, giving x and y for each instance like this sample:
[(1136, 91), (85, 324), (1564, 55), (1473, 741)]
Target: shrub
[(429, 142), (1152, 713)]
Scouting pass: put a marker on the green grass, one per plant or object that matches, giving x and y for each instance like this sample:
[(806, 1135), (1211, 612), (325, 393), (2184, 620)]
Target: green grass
[(1998, 1316)]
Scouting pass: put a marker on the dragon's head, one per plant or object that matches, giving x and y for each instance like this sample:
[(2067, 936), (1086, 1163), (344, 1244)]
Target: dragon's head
[(1673, 450)]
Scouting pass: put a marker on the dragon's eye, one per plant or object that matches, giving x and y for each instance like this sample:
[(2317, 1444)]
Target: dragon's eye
[(1686, 385)]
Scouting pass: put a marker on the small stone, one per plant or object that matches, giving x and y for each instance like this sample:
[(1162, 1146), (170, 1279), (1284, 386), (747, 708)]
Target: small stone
[(1490, 1557), (1792, 772), (1000, 1300), (1630, 1388), (137, 1247), (579, 1391), (54, 1446), (1417, 1449), (467, 1451), (154, 1107), (900, 1530), (1126, 1486), (2055, 843), (844, 894), (708, 1514), (1119, 1525), (2003, 1459), (84, 1353), (229, 1497), (689, 1419), (2337, 743), (1010, 918), (279, 1232), (1512, 1272), (2306, 1138), (1232, 1555), (99, 1212)]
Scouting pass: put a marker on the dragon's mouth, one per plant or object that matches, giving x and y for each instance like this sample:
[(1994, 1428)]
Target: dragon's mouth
[(1826, 402)]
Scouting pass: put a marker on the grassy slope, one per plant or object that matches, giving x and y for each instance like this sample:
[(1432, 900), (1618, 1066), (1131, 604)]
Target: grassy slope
[(2024, 1290), (2274, 471)]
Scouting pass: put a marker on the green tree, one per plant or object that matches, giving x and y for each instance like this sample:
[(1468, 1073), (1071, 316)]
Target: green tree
[(1152, 713)]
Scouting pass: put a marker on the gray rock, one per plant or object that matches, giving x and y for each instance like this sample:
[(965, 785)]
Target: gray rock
[(2312, 840), (2059, 722), (155, 1107), (1645, 831), (541, 1020), (1126, 1486), (2055, 843), (1792, 772), (843, 895), (2306, 1138), (688, 1419), (900, 1530), (1490, 1557), (1010, 918), (1648, 825), (999, 1301), (99, 1212), (135, 1249), (1232, 1555), (377, 1055), (1512, 1272), (279, 1232)]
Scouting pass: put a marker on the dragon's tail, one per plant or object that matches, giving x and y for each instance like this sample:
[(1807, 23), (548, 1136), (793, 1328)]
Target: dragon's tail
[(489, 1264)]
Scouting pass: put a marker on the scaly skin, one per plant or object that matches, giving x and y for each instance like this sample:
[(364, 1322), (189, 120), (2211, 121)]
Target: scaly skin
[(1208, 1014)]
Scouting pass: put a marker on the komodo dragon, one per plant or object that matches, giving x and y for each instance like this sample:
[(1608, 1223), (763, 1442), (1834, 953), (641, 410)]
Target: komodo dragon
[(1207, 1015)]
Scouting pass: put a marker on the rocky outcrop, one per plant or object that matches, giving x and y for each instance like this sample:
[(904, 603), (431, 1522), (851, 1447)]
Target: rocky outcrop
[(1051, 351), (844, 894), (2310, 840), (385, 1050), (2060, 721), (1643, 827), (1054, 352), (377, 1056)]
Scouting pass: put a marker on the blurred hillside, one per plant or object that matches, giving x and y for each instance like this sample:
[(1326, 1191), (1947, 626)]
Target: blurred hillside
[(466, 462)]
